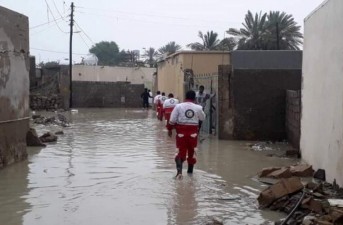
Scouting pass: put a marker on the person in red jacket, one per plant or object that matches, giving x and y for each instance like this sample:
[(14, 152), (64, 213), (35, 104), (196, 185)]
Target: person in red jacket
[(185, 119), (168, 107)]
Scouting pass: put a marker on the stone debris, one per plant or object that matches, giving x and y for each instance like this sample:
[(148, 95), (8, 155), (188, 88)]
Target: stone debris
[(301, 170), (59, 120), (60, 132), (32, 139), (48, 137), (308, 204)]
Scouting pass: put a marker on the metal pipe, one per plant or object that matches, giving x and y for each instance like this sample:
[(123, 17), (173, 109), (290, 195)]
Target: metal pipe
[(15, 120)]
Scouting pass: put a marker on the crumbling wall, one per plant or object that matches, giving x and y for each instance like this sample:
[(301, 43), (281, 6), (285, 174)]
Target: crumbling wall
[(293, 115), (107, 94), (14, 86)]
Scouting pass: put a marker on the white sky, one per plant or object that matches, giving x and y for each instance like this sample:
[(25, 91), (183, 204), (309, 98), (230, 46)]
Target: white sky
[(138, 24)]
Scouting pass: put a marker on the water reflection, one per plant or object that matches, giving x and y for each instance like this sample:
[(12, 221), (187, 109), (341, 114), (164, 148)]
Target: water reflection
[(116, 166)]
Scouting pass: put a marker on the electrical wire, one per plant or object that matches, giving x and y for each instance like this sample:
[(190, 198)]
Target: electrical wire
[(49, 9), (53, 51), (84, 32), (42, 24)]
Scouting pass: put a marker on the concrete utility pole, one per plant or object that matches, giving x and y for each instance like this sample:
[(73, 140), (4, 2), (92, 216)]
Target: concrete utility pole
[(71, 55)]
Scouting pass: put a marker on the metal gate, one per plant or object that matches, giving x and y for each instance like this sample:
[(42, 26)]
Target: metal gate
[(210, 82)]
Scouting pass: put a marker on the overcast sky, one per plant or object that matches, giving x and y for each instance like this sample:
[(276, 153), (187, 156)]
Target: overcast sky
[(137, 24)]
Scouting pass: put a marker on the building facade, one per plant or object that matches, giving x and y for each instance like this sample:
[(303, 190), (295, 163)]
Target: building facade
[(321, 141), (177, 71)]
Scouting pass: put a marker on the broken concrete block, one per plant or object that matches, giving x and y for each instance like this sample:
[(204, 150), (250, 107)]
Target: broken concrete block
[(281, 173), (48, 137), (313, 205), (60, 132), (265, 171), (336, 215), (302, 170), (278, 190), (32, 139)]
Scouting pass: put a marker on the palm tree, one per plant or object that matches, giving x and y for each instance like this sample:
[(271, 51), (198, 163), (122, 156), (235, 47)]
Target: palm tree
[(169, 48), (253, 34), (283, 33), (227, 44), (210, 41), (150, 56)]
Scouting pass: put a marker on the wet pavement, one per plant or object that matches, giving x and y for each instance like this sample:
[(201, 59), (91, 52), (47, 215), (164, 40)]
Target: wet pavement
[(116, 166)]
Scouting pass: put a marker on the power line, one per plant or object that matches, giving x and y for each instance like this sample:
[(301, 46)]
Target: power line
[(49, 9), (42, 24), (45, 29), (84, 32), (53, 51), (84, 41), (57, 8)]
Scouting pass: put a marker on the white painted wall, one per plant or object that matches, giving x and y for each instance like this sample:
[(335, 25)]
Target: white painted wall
[(135, 75), (322, 92)]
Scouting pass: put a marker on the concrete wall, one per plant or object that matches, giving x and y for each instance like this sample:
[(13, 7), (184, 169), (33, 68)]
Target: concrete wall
[(170, 72), (293, 109), (107, 94), (258, 92), (322, 92), (259, 103), (14, 85), (134, 75)]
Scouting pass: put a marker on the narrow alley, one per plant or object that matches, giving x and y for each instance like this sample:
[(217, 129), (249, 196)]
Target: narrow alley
[(116, 166)]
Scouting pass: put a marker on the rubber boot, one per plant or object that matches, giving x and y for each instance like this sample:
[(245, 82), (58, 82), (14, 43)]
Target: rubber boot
[(190, 168), (178, 162)]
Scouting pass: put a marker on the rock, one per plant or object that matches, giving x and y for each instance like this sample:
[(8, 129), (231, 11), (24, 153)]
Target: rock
[(302, 170), (278, 190), (60, 132), (313, 205), (281, 173), (48, 137), (265, 171), (336, 215), (36, 116), (309, 220), (32, 139), (320, 175)]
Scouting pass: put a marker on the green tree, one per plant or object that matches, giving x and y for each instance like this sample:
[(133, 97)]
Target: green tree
[(282, 32), (150, 56), (227, 44), (107, 53), (210, 41), (169, 48), (252, 36)]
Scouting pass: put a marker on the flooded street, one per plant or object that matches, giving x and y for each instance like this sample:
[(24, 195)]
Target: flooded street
[(116, 166)]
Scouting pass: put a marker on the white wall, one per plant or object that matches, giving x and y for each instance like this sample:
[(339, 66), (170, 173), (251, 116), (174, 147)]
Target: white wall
[(135, 75), (322, 92)]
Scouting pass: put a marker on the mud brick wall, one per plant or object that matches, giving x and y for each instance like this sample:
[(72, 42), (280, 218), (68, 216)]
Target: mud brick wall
[(293, 116), (259, 102), (107, 94), (14, 86)]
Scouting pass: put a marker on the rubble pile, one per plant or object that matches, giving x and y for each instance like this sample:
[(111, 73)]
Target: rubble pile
[(48, 137), (41, 102), (305, 202), (59, 120)]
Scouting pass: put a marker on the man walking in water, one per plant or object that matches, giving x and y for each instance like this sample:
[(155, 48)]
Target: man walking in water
[(168, 106), (145, 96), (185, 119), (157, 102)]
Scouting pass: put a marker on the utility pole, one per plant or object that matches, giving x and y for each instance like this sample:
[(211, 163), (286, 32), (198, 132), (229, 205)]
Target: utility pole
[(277, 37), (71, 55)]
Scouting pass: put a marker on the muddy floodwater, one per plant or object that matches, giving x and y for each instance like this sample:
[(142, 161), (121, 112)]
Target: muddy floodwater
[(116, 166)]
